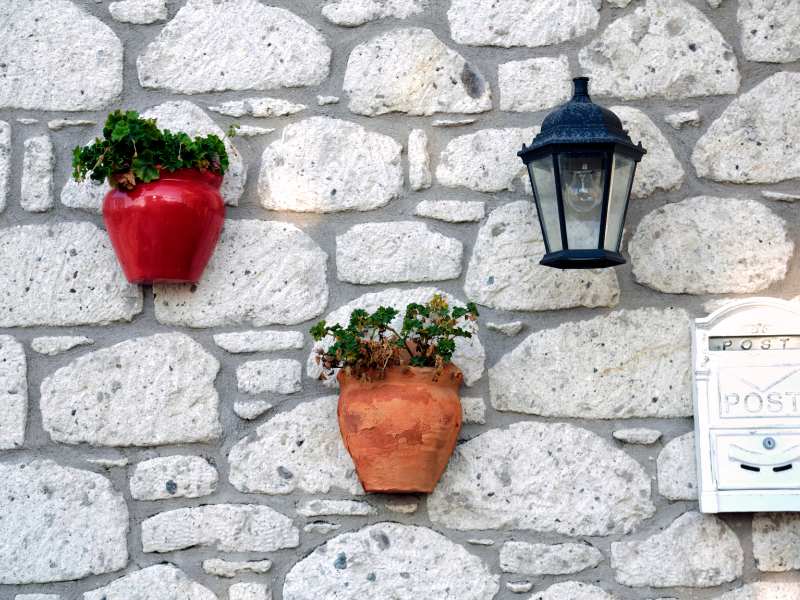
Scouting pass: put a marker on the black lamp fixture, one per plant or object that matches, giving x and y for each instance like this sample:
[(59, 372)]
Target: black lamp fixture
[(581, 167)]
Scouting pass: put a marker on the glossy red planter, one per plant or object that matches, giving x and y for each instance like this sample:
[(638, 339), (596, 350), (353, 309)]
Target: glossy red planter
[(166, 230)]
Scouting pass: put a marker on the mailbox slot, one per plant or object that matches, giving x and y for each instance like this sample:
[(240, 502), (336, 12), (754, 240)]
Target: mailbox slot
[(756, 460)]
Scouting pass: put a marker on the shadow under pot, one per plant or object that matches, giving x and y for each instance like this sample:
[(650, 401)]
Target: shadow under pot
[(165, 231), (402, 429)]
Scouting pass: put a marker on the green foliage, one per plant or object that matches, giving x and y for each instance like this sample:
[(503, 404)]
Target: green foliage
[(133, 150), (368, 345)]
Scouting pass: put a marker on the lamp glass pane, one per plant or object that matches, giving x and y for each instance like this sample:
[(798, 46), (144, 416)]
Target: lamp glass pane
[(621, 177), (544, 186), (582, 182)]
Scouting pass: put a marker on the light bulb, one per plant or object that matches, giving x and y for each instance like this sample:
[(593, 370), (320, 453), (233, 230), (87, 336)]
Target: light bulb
[(584, 188)]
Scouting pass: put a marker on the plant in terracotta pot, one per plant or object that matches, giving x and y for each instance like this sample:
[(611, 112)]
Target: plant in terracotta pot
[(399, 410), (164, 212)]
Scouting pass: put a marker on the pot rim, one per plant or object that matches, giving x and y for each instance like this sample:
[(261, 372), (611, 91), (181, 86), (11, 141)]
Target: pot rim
[(185, 174), (449, 368)]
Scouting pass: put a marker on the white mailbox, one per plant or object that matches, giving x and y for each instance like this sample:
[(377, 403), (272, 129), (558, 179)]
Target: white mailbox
[(746, 360)]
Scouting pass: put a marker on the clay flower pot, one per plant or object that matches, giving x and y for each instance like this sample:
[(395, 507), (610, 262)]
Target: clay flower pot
[(401, 430), (166, 230)]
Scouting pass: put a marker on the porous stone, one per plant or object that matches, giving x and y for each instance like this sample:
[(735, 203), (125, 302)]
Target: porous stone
[(677, 473), (573, 590), (396, 251), (378, 561), (780, 196), (511, 328), (485, 161), (59, 124), (352, 13), (249, 591), (62, 274), (659, 169), (519, 587), (238, 342), (664, 48), (410, 70), (679, 120), (764, 590), (108, 463), (250, 411), (469, 355), (327, 165), (757, 137), (173, 477), (231, 569), (473, 410), (56, 56), (637, 435), (419, 161), (59, 524), (13, 393), (775, 541), (258, 107), (504, 270), (662, 559), (262, 273), (534, 84), (145, 391), (279, 376), (138, 12), (85, 195), (224, 527), (404, 505), (629, 363), (452, 122), (544, 559), (36, 188), (481, 541), (452, 211), (770, 30), (159, 582), (542, 477), (326, 100), (5, 162), (252, 131), (531, 23), (345, 508), (675, 248), (53, 345), (298, 449), (265, 48)]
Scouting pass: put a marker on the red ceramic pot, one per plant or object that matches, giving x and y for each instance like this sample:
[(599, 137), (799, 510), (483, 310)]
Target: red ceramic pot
[(166, 230)]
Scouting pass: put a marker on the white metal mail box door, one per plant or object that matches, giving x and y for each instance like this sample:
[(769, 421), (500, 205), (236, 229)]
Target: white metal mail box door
[(746, 362)]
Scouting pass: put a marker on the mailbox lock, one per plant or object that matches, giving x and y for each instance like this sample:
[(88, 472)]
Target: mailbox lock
[(769, 443)]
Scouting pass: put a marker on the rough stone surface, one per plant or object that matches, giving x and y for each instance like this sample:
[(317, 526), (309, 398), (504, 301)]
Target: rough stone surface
[(406, 562), (664, 48), (659, 168), (326, 100), (780, 196), (5, 162), (662, 560), (327, 165), (519, 587), (36, 190), (770, 30), (637, 435), (485, 161), (679, 120), (757, 138), (53, 345), (573, 590), (59, 524), (544, 559), (543, 477), (504, 270), (396, 251), (775, 540), (419, 161), (473, 410), (262, 273), (249, 591), (141, 392), (352, 13), (265, 48), (298, 449), (224, 527), (469, 355), (675, 248), (251, 410), (511, 328), (412, 71), (259, 341), (764, 590), (677, 474), (530, 23), (630, 363), (38, 281), (452, 211), (159, 582), (13, 393), (534, 84), (251, 131), (346, 508), (404, 505), (279, 376), (57, 57), (230, 569), (258, 107), (85, 195), (173, 477), (138, 12), (452, 122)]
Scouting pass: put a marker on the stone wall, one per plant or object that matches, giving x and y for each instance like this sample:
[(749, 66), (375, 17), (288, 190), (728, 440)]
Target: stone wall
[(172, 442)]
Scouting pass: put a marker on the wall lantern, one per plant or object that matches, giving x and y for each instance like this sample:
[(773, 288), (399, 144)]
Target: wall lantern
[(581, 167)]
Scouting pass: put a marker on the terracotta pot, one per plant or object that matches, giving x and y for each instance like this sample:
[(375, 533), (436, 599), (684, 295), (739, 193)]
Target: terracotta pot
[(166, 230), (401, 430)]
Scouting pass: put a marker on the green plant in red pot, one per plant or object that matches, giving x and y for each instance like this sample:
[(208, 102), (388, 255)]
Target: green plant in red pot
[(399, 408), (164, 212)]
